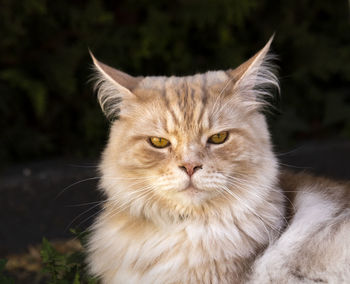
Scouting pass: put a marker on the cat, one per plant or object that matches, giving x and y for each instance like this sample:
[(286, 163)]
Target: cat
[(195, 194)]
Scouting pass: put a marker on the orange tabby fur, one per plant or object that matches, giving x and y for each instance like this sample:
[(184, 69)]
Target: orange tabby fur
[(160, 225)]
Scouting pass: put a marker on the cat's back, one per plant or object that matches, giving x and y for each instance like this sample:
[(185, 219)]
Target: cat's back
[(315, 246), (296, 184)]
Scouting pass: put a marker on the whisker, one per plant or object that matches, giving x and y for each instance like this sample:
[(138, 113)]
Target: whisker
[(97, 203), (290, 152), (123, 206), (85, 204), (81, 214), (261, 198), (244, 182), (235, 196), (73, 184), (83, 166), (97, 178)]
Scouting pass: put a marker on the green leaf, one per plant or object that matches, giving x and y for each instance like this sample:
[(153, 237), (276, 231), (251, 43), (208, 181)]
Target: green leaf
[(81, 235), (4, 279), (47, 251), (2, 264), (76, 278)]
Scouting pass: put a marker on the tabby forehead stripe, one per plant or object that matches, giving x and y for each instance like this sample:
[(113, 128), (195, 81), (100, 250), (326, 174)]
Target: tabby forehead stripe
[(176, 121), (179, 97), (185, 97), (191, 109), (186, 103)]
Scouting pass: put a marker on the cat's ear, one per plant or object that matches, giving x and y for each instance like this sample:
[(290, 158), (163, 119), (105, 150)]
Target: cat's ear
[(254, 79), (113, 86)]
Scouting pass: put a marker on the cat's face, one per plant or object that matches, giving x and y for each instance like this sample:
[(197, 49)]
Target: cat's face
[(183, 143)]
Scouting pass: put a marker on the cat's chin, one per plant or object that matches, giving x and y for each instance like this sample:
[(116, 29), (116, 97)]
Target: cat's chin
[(192, 195), (192, 190)]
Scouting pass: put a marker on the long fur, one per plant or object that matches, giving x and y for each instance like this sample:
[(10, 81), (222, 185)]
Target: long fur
[(238, 218)]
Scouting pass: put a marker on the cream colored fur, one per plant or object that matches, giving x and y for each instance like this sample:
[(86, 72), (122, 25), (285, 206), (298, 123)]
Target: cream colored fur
[(231, 221)]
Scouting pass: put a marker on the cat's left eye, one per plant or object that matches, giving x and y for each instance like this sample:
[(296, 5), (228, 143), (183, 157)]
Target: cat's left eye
[(218, 138), (159, 142)]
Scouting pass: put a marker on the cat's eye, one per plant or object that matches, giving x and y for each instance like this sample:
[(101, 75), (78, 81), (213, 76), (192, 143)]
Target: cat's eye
[(159, 142), (218, 138)]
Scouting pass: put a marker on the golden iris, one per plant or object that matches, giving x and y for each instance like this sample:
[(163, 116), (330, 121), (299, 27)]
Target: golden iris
[(159, 142), (218, 138)]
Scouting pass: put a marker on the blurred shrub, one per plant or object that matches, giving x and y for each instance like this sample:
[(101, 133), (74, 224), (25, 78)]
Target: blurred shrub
[(65, 268), (48, 109), (3, 278)]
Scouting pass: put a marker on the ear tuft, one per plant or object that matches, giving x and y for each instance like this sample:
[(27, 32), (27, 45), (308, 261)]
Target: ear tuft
[(112, 87), (255, 78)]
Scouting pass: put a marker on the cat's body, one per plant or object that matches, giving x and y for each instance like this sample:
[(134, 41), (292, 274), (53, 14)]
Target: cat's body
[(194, 193), (315, 247)]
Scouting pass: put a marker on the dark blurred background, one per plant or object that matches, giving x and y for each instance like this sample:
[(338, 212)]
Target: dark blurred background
[(48, 108), (52, 130)]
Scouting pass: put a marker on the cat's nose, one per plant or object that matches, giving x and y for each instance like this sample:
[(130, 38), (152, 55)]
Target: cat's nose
[(190, 168)]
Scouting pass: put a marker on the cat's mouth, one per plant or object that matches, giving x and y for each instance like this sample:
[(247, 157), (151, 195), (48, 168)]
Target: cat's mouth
[(193, 193), (191, 189)]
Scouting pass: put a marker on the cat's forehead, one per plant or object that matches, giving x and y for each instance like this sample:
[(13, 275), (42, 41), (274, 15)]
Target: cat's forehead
[(242, 87), (205, 80), (181, 104)]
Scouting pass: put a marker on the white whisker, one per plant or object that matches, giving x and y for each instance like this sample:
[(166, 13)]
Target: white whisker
[(75, 183)]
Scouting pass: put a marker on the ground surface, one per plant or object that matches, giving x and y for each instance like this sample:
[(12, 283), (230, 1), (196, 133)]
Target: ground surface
[(45, 199)]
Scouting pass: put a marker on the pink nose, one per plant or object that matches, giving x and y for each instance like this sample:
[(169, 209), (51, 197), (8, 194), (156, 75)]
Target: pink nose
[(190, 168)]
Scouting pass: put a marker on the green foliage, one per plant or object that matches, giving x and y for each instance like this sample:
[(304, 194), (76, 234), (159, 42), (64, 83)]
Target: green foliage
[(4, 279), (48, 109), (65, 268)]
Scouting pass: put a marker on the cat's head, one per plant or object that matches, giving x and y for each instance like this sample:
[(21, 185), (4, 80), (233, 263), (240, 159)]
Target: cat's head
[(182, 146)]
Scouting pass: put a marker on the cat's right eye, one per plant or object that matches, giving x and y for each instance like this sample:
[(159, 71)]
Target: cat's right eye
[(159, 142)]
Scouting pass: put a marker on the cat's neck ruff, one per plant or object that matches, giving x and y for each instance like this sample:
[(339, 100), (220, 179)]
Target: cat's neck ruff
[(208, 244)]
